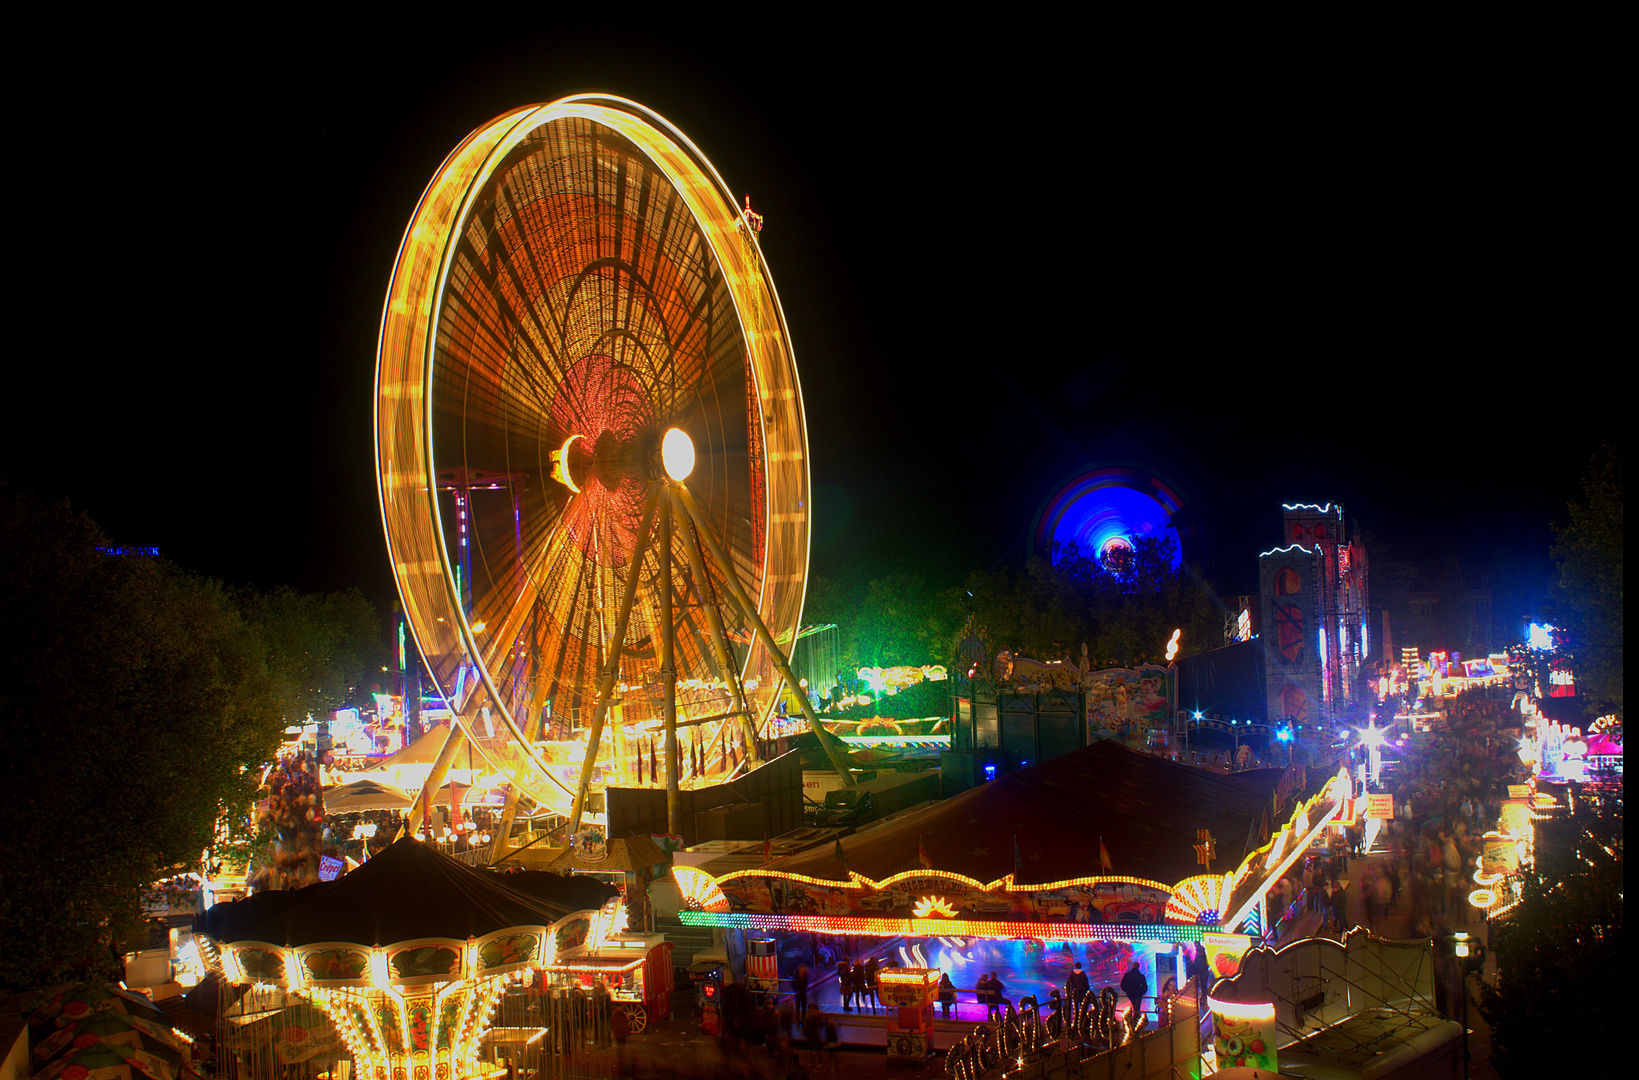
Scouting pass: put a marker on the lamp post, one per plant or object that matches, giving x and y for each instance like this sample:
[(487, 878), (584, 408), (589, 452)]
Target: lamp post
[(1467, 953)]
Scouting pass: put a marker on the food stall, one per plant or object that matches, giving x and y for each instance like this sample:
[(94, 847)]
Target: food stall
[(635, 968)]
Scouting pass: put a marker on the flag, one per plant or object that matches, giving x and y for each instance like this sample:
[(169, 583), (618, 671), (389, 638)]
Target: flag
[(1018, 859), (640, 763), (842, 857), (1104, 856), (654, 762), (768, 850), (922, 855)]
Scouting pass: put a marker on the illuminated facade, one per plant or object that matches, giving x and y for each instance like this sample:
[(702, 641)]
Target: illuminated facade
[(1316, 615)]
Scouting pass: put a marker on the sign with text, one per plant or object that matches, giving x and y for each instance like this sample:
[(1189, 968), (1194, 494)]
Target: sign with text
[(1380, 806)]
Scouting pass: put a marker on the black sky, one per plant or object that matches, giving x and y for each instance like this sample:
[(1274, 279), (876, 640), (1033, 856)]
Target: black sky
[(1001, 257)]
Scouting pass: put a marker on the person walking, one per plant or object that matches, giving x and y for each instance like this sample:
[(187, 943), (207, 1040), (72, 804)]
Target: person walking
[(1075, 988), (1135, 986), (799, 989), (811, 1025), (845, 983), (1340, 908), (1368, 896), (1384, 894), (620, 1026)]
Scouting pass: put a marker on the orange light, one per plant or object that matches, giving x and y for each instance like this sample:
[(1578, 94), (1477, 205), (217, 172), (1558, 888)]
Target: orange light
[(1243, 1010)]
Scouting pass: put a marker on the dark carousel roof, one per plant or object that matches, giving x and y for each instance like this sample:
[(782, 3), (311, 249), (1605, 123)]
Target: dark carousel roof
[(1146, 809), (408, 891)]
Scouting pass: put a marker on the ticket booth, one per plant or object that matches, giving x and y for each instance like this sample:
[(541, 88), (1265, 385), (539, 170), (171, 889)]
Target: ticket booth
[(908, 995), (707, 977), (762, 971)]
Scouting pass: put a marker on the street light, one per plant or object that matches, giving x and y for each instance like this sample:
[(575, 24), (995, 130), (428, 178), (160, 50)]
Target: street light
[(1468, 954)]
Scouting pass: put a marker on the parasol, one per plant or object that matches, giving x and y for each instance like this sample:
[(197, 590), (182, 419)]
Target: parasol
[(98, 1059), (110, 1027), (361, 795), (59, 1006)]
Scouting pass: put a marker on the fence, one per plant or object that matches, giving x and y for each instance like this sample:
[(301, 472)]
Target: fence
[(1099, 1043)]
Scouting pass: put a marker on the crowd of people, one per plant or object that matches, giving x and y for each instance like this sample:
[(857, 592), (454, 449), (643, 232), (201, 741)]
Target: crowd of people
[(1446, 800), (1448, 790)]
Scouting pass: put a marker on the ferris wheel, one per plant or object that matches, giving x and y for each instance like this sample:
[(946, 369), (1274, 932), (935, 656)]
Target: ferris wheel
[(591, 453)]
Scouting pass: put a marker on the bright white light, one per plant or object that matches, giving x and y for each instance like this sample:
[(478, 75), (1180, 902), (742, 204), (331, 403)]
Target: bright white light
[(677, 454)]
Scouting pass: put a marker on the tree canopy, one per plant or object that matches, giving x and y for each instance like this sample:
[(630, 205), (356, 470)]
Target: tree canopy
[(1124, 613), (1588, 555), (321, 648)]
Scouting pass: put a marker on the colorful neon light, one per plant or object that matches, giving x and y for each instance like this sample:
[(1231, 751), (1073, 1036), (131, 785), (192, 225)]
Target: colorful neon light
[(832, 924)]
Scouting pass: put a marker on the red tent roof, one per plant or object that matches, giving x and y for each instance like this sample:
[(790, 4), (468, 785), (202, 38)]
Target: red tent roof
[(1146, 809)]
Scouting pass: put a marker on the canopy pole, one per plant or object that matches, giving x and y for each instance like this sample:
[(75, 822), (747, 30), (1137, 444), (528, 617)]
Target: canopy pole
[(725, 655), (749, 609), (422, 807), (606, 685), (668, 671)]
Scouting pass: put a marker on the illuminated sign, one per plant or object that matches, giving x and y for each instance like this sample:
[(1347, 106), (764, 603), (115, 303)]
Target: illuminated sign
[(1380, 806), (929, 906), (1243, 1034)]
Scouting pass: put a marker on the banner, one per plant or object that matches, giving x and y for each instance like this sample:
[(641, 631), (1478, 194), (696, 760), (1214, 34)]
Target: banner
[(1380, 806), (1293, 662)]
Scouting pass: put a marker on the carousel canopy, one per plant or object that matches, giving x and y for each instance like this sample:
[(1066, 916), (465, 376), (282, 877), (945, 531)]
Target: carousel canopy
[(1147, 811), (408, 891)]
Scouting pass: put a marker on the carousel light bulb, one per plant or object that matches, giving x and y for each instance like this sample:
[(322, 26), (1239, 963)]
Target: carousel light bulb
[(677, 454)]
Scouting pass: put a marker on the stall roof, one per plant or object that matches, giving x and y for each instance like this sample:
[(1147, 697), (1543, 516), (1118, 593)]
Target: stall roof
[(1145, 809)]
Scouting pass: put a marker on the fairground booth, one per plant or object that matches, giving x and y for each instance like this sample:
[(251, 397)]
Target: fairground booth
[(1105, 856)]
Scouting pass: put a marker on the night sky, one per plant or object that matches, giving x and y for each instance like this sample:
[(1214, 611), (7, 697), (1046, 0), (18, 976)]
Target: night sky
[(999, 263)]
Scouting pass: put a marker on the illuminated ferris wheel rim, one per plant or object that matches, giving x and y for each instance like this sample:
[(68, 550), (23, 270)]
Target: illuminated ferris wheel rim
[(721, 224)]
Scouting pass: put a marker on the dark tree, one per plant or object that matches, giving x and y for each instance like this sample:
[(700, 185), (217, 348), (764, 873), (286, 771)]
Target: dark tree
[(137, 709), (323, 650), (1555, 949), (1588, 557)]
